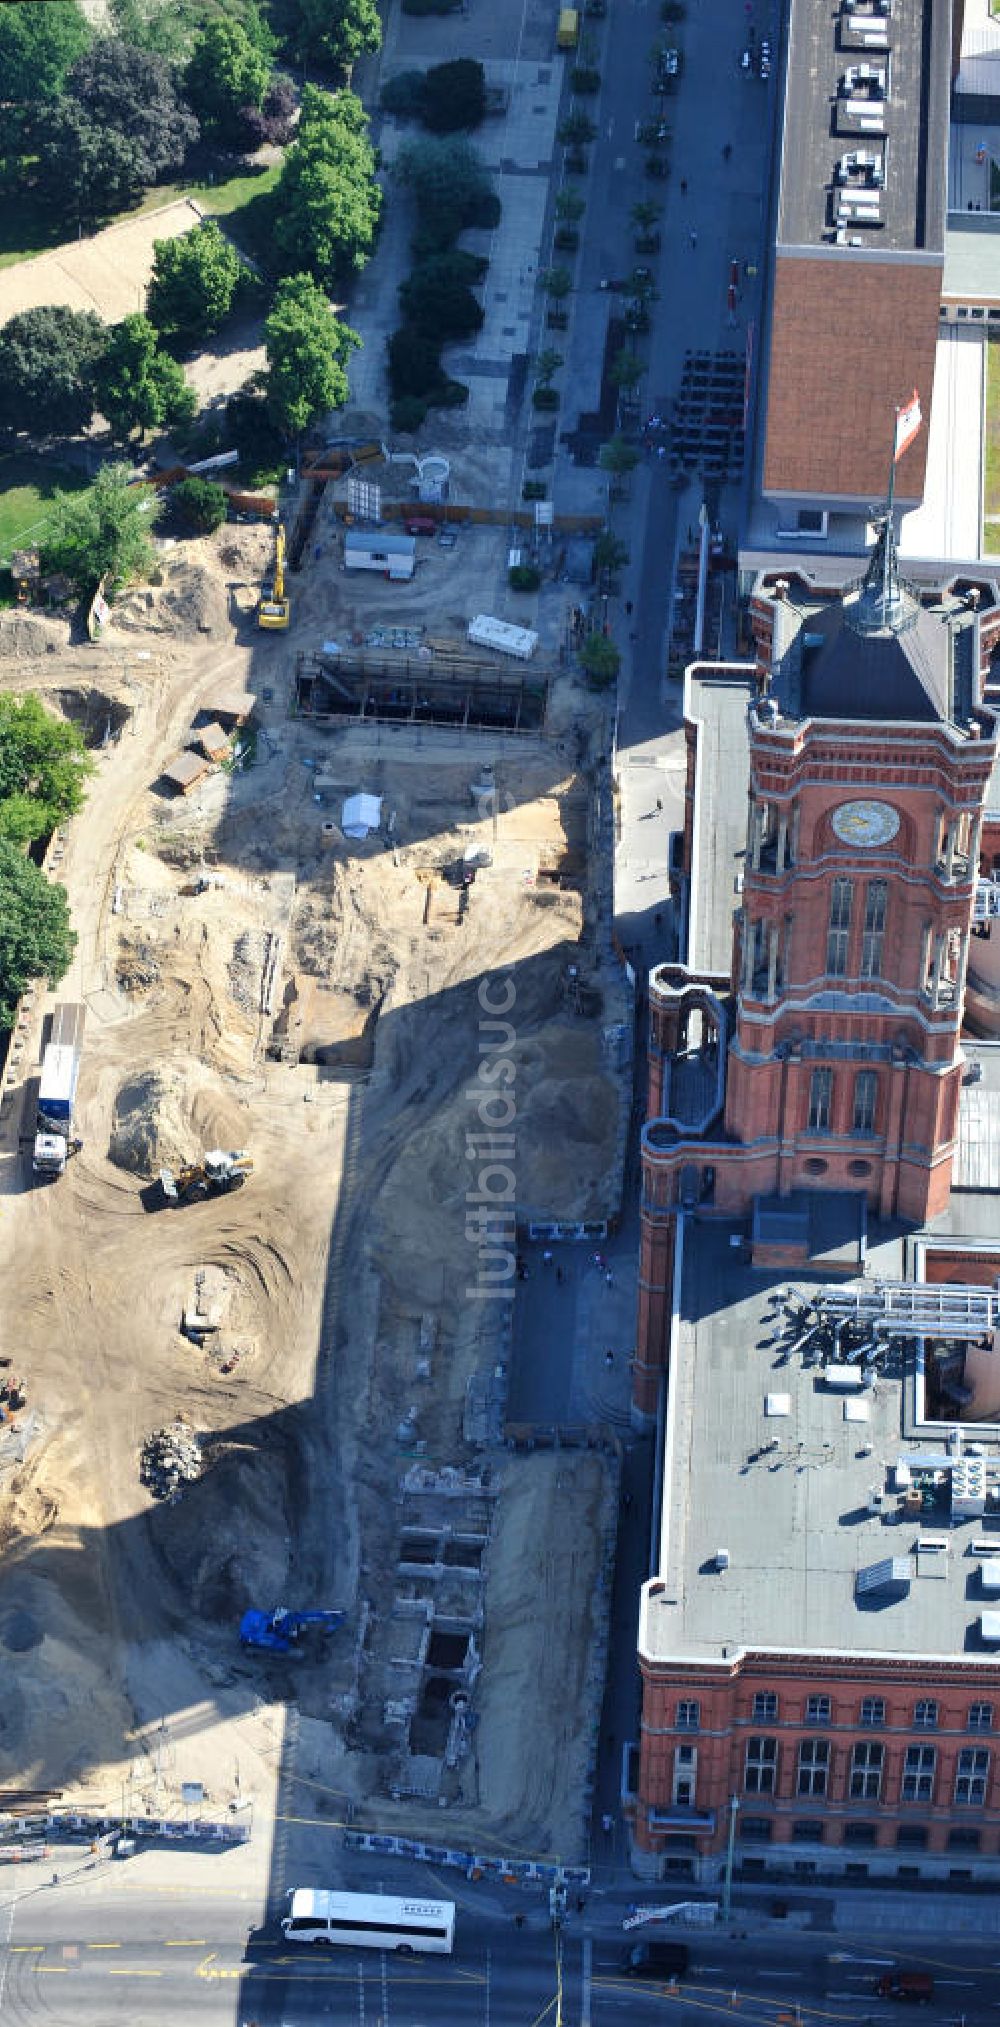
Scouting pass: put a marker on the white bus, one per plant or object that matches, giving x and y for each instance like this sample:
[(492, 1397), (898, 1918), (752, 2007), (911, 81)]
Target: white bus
[(373, 1921)]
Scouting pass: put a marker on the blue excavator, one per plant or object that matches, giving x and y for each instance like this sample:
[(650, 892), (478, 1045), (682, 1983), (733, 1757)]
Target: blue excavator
[(280, 1631)]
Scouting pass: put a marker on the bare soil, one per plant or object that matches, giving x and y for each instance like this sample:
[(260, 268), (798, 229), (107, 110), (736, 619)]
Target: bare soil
[(336, 1277)]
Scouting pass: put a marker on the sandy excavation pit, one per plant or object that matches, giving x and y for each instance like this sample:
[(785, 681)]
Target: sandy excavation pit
[(345, 1083)]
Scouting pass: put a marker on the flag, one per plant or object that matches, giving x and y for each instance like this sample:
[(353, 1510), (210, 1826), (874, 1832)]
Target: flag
[(908, 421)]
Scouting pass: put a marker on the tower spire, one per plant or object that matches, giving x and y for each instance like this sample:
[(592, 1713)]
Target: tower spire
[(882, 603)]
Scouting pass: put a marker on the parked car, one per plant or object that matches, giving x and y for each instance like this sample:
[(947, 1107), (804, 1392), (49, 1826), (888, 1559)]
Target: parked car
[(420, 524), (655, 1960), (915, 1986)]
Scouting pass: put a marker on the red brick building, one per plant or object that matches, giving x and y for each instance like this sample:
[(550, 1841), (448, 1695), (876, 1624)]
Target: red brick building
[(818, 1650)]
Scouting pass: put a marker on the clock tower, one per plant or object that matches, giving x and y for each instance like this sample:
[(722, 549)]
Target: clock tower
[(838, 1032)]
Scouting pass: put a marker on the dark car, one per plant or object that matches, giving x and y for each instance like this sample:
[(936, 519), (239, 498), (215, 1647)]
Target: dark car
[(655, 1960), (915, 1986), (420, 524)]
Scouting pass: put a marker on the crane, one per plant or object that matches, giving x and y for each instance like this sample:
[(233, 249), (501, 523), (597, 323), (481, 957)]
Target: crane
[(273, 608)]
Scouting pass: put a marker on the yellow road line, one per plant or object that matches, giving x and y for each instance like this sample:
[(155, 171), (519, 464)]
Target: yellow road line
[(57, 1970), (22, 1949), (114, 1972), (184, 1943), (104, 1946)]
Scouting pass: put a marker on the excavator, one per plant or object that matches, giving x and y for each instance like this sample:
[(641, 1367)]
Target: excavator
[(279, 1632), (217, 1172), (273, 607)]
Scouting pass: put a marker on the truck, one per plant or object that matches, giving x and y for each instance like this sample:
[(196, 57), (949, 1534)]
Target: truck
[(57, 1091), (568, 28)]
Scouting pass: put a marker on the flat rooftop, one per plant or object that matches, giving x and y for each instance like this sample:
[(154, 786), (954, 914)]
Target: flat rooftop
[(787, 1492), (859, 80), (717, 699)]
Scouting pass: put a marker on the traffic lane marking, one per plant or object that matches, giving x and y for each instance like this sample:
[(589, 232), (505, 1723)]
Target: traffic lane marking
[(131, 1971), (184, 1942), (103, 1946), (716, 2001)]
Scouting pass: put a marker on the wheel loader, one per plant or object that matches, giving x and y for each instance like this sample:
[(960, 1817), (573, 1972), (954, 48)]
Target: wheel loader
[(214, 1175)]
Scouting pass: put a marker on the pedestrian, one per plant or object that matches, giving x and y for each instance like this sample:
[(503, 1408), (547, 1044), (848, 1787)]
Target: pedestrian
[(627, 1502), (684, 187), (609, 1359), (519, 1921), (694, 238), (628, 608), (547, 1257), (726, 152), (607, 1824), (609, 1279), (659, 803), (560, 1276)]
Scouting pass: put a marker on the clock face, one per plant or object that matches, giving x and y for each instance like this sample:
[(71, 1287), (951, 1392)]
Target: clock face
[(865, 823)]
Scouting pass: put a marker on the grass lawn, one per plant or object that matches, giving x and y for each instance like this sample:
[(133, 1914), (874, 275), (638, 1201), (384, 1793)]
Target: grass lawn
[(26, 484), (27, 227)]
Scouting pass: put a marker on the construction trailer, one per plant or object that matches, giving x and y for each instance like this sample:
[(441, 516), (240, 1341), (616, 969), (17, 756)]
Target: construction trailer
[(57, 1091), (375, 549), (502, 637)]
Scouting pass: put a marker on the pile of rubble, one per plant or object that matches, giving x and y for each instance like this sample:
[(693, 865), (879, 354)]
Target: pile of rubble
[(244, 970), (171, 1457)]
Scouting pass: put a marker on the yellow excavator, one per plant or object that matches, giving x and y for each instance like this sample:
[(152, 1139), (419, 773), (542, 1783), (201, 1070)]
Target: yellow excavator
[(273, 607), (217, 1172)]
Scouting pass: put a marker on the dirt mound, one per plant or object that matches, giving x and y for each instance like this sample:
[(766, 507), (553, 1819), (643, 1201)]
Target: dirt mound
[(25, 637), (188, 602), (224, 1539), (164, 1118)]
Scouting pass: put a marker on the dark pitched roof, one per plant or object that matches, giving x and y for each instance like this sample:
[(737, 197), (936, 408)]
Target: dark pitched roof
[(879, 676)]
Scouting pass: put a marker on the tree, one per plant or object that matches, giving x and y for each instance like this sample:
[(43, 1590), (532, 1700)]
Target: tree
[(454, 96), (195, 281), (403, 95), (36, 940), (575, 129), (618, 457), (600, 658), (120, 126), (547, 364), (199, 505), (336, 32), (626, 371), (440, 302), (44, 766), (609, 554), (85, 169), (253, 431), (327, 202), (307, 352), (557, 282), (102, 533), (273, 123), (48, 358), (37, 47), (570, 204), (451, 186), (139, 387), (227, 74), (646, 215)]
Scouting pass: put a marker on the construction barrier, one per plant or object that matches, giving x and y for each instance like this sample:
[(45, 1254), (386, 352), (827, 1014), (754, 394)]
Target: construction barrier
[(506, 1871), (151, 1829)]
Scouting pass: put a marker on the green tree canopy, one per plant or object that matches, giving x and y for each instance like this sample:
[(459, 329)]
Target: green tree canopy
[(37, 47), (454, 95), (194, 283), (617, 456), (327, 202), (307, 353), (199, 506), (85, 170), (139, 387), (48, 358), (227, 74), (451, 186), (601, 659), (119, 128), (44, 766), (103, 532), (336, 32), (36, 940), (436, 297)]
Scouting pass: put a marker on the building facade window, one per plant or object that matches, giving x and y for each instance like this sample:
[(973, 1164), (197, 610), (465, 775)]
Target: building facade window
[(918, 1774), (688, 1716), (861, 1833), (972, 1773), (980, 1717), (911, 1836), (755, 1829), (964, 1840), (925, 1715), (765, 1706), (817, 1710), (873, 1710), (865, 1095), (873, 934), (820, 1101), (838, 933), (760, 1769), (866, 1771), (809, 1832), (814, 1767)]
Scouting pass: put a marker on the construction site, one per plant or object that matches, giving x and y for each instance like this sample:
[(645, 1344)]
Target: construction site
[(257, 1389)]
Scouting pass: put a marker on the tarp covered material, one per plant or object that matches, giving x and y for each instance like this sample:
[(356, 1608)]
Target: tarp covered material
[(361, 814)]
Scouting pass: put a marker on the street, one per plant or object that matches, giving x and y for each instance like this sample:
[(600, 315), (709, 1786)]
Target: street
[(105, 1948)]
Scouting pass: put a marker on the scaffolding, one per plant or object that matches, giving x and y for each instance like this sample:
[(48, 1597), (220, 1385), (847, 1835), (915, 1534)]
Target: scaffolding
[(910, 1309)]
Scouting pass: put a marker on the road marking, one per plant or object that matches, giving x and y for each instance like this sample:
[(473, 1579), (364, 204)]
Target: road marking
[(20, 1949), (104, 1946), (115, 1972), (183, 1943), (55, 1970)]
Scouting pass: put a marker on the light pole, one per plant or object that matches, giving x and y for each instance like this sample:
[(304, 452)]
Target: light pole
[(727, 1884)]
